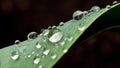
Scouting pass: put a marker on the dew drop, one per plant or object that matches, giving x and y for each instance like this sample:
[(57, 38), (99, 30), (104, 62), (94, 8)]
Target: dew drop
[(108, 7), (95, 9), (77, 15), (49, 27), (40, 66), (85, 12), (46, 51), (22, 49), (14, 55), (38, 45), (114, 2), (53, 27), (53, 56), (36, 60), (46, 32), (65, 51), (29, 56), (61, 23), (56, 37), (32, 35), (33, 52), (81, 27), (62, 43), (70, 38), (17, 41)]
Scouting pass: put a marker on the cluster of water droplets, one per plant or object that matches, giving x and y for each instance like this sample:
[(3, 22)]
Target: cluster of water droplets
[(54, 35)]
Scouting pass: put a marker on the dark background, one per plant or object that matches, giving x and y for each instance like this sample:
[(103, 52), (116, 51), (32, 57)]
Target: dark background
[(19, 17)]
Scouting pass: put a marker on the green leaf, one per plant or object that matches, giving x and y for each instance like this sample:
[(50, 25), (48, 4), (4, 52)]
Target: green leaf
[(45, 50)]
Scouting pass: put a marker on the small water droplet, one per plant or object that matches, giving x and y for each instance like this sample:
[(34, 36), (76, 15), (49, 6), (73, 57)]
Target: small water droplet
[(32, 35), (33, 52), (61, 23), (38, 45), (49, 27), (62, 43), (40, 66), (108, 7), (29, 56), (65, 51), (81, 27), (56, 37), (114, 2), (53, 56), (14, 55), (37, 55), (36, 60), (46, 32), (95, 9), (46, 51), (17, 41), (22, 49), (77, 15), (85, 12), (53, 27), (70, 38)]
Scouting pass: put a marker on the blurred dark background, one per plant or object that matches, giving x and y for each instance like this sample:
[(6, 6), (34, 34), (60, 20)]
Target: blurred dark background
[(19, 17)]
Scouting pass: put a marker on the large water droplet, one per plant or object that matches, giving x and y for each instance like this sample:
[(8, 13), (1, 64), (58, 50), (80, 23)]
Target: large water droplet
[(46, 52), (78, 15), (53, 56), (17, 41), (32, 35), (114, 2), (36, 60), (38, 45), (56, 37), (14, 55), (95, 9)]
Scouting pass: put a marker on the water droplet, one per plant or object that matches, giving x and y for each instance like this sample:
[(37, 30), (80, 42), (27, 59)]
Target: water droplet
[(49, 27), (36, 60), (46, 32), (40, 66), (56, 37), (29, 56), (62, 43), (61, 23), (70, 38), (95, 9), (17, 41), (53, 27), (33, 52), (85, 12), (53, 56), (46, 51), (22, 49), (37, 55), (65, 51), (114, 2), (32, 35), (81, 27), (38, 45), (77, 15), (108, 7), (15, 55)]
